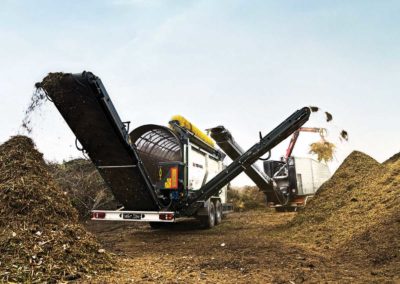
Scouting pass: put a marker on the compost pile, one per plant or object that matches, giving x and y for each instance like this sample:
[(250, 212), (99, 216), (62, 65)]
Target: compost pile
[(356, 212), (40, 237), (84, 186)]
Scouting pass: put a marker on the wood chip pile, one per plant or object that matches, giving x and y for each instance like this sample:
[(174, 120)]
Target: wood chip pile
[(357, 212), (40, 237)]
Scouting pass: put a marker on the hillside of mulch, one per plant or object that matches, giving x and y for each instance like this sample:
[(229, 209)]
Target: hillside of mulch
[(393, 159), (356, 212), (379, 244), (40, 237)]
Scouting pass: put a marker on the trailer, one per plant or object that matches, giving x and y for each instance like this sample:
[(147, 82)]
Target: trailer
[(298, 178), (157, 173)]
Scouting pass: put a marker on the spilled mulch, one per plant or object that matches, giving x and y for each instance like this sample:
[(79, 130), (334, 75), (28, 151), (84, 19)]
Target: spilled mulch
[(40, 237), (323, 149), (38, 99)]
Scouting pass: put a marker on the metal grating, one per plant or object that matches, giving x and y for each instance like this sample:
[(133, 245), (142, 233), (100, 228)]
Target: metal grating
[(156, 144)]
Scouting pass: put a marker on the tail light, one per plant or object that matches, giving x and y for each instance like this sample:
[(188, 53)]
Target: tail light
[(167, 216), (98, 215)]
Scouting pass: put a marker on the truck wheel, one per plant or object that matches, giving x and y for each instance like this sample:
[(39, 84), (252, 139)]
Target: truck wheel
[(218, 212), (209, 221)]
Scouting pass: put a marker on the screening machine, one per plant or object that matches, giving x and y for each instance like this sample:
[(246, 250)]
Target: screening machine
[(158, 173)]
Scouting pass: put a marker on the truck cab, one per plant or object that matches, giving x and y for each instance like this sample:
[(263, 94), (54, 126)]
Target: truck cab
[(298, 178)]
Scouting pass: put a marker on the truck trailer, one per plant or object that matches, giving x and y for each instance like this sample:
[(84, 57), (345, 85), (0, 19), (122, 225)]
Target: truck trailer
[(158, 173)]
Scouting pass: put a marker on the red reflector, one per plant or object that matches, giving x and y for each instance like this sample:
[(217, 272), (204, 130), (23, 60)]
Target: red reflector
[(98, 215), (167, 216)]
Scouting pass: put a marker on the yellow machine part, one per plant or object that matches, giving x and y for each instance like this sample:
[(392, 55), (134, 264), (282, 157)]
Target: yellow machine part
[(183, 122)]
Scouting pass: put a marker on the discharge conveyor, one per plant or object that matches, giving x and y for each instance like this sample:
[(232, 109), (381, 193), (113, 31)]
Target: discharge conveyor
[(248, 158), (227, 143), (86, 107)]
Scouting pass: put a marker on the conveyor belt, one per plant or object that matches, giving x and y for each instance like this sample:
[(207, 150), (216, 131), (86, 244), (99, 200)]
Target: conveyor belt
[(86, 107), (248, 158), (225, 141)]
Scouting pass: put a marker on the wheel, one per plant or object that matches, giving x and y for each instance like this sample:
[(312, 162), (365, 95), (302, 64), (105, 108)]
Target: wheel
[(218, 212), (209, 220)]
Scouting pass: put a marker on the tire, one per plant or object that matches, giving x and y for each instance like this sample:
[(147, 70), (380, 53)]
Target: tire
[(209, 221), (218, 212)]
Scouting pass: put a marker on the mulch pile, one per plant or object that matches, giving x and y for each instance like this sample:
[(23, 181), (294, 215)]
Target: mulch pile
[(40, 237), (356, 212), (393, 159)]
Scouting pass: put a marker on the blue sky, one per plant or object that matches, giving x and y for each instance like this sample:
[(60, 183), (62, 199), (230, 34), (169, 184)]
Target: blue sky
[(244, 64)]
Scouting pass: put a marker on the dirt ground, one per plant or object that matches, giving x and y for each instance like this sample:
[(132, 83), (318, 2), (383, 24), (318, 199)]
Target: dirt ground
[(248, 247)]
